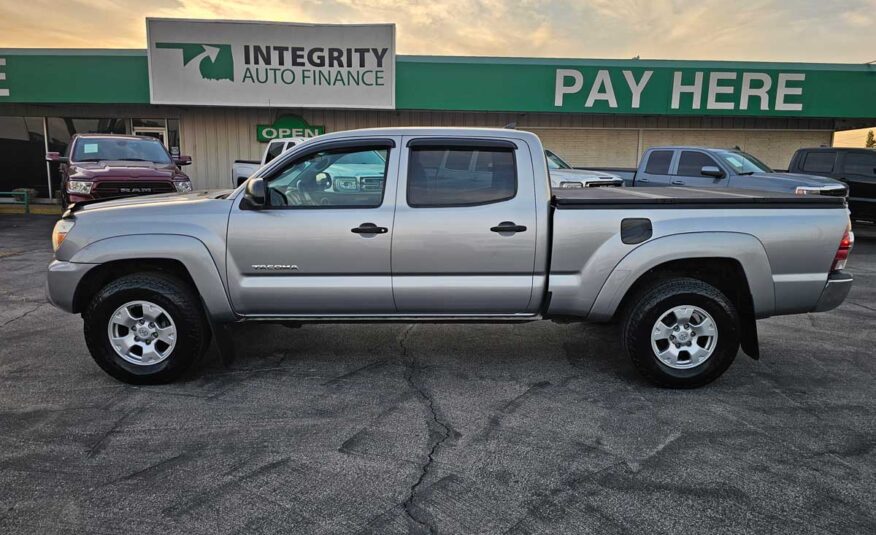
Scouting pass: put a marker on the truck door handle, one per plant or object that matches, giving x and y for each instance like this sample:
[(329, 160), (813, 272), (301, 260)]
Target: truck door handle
[(678, 182), (508, 226), (369, 228)]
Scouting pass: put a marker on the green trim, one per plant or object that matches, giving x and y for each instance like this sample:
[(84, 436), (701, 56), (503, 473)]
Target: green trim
[(528, 85), (73, 51), (642, 63), (455, 83), (78, 78)]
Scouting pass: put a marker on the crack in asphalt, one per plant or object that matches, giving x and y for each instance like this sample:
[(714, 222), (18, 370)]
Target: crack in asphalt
[(34, 309), (439, 431), (98, 446), (861, 305)]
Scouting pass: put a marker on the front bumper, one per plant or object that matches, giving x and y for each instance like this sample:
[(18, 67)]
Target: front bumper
[(62, 280), (835, 291)]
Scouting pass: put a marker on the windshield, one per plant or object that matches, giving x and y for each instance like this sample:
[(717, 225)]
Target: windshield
[(95, 149), (555, 162), (742, 163)]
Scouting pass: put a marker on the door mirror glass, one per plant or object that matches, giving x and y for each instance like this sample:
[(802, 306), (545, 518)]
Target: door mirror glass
[(711, 170), (255, 192), (183, 160)]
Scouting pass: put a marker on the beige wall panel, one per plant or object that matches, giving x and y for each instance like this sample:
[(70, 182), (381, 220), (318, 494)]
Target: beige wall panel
[(776, 148), (583, 147)]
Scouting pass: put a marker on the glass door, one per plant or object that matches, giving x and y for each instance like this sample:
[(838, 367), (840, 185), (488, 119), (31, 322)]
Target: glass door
[(158, 133)]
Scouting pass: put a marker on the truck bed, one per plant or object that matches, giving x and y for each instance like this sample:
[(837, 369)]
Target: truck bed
[(672, 197)]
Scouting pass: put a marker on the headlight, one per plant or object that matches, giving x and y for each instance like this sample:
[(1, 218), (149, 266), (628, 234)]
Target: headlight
[(59, 233), (572, 185), (79, 186), (807, 190), (183, 187)]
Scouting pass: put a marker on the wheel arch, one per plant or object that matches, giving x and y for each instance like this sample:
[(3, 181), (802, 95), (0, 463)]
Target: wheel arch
[(707, 254), (735, 263), (182, 256)]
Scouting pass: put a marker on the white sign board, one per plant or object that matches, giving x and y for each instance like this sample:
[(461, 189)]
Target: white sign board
[(234, 63)]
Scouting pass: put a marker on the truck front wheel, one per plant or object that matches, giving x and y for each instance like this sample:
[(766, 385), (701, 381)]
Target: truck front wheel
[(146, 328), (681, 333)]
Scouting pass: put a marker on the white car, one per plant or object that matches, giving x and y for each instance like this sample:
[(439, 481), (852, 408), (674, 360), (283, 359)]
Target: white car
[(243, 169), (564, 176)]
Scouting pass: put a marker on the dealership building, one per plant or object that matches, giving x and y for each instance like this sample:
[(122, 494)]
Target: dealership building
[(217, 91)]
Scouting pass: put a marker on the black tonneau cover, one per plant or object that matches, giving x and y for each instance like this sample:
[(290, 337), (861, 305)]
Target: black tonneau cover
[(687, 197)]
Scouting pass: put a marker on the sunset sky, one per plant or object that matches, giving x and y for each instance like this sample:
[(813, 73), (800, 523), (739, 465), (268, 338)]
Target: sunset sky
[(771, 30)]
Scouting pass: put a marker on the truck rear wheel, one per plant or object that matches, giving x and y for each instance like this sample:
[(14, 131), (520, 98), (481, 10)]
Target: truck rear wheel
[(681, 333), (146, 328)]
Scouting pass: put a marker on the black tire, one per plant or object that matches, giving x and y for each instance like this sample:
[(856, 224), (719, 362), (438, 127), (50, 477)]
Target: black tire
[(652, 302), (166, 291)]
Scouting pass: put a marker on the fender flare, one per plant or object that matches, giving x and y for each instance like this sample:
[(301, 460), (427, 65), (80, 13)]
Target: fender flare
[(744, 248), (190, 251)]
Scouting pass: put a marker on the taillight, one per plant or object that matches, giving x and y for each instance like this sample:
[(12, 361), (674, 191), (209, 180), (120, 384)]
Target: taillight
[(845, 247)]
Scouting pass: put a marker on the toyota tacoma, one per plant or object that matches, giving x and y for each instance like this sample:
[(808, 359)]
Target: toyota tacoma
[(463, 227)]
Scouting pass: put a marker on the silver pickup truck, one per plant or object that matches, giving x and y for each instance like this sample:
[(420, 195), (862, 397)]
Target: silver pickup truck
[(687, 272)]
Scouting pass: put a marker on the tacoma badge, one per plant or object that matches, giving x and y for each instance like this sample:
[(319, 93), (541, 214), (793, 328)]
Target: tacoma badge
[(275, 267)]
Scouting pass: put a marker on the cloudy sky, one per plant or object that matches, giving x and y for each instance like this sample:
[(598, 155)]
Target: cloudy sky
[(770, 30)]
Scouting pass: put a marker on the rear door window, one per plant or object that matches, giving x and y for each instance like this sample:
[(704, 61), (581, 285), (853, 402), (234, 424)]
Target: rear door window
[(861, 164), (658, 162), (819, 162), (691, 163), (430, 184)]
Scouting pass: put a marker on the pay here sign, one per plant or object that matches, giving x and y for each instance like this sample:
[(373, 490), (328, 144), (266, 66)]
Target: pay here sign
[(234, 63)]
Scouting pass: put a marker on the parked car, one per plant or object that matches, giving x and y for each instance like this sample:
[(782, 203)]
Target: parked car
[(99, 166), (243, 169), (725, 168), (855, 167), (564, 175), (441, 241)]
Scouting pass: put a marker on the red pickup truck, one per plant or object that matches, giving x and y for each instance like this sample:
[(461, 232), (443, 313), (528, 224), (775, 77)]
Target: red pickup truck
[(101, 166)]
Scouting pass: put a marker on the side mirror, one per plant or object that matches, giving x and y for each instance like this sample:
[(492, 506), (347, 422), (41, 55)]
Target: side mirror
[(323, 180), (55, 157), (183, 160), (255, 192), (712, 171)]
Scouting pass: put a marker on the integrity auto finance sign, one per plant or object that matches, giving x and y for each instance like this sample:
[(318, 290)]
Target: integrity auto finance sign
[(232, 63)]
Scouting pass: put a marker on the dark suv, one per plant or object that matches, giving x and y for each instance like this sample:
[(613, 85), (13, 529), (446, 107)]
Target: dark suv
[(99, 166), (855, 167)]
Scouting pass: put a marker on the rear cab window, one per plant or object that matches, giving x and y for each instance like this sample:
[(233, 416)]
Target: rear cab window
[(658, 162), (819, 162), (460, 175)]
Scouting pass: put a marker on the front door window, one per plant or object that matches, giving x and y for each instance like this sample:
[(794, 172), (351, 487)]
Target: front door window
[(340, 178)]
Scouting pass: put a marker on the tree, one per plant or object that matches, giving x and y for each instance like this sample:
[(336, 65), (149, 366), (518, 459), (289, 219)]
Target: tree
[(871, 141)]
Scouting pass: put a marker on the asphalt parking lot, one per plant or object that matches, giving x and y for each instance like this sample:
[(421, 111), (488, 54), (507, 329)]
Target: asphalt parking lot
[(536, 428)]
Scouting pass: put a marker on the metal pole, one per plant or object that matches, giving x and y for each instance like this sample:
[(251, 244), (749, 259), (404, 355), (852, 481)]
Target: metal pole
[(48, 166)]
